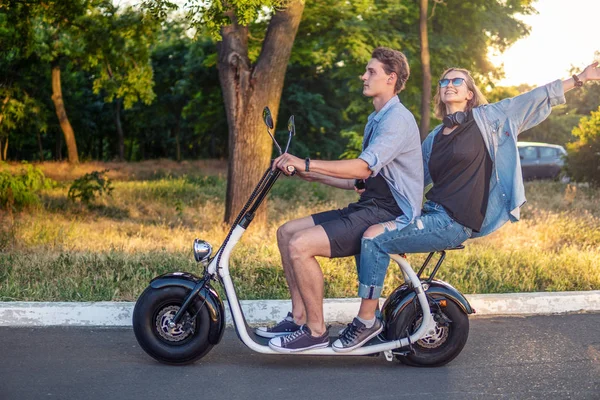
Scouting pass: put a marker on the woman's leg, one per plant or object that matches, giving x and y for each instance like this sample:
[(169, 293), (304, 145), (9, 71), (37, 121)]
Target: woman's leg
[(433, 231)]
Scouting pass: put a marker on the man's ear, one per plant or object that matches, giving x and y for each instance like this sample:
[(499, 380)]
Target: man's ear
[(392, 77)]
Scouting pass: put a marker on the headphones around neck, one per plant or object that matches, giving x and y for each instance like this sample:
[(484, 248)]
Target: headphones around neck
[(452, 120)]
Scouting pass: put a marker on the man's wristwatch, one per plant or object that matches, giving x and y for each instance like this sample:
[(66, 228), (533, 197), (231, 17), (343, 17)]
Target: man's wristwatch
[(307, 164), (578, 82)]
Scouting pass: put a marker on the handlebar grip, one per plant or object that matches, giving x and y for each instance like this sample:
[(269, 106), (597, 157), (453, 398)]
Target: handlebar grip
[(291, 169)]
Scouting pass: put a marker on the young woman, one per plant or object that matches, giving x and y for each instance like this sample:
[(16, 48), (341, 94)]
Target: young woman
[(474, 165)]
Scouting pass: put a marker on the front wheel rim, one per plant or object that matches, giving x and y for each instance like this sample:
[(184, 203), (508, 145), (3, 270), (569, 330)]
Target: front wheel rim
[(177, 333)]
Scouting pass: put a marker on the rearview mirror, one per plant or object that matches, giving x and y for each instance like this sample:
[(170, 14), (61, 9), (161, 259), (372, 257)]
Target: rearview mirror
[(292, 131), (267, 117), (291, 126), (269, 122)]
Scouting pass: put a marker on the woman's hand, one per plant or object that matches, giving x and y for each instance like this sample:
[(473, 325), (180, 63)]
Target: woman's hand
[(590, 73)]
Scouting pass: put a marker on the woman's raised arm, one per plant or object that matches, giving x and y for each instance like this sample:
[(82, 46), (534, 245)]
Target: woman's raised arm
[(590, 73)]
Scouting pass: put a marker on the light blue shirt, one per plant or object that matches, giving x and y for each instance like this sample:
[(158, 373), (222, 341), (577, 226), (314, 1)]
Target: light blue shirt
[(392, 148), (500, 124)]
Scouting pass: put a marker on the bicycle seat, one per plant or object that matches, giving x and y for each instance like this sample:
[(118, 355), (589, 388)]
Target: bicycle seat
[(459, 247)]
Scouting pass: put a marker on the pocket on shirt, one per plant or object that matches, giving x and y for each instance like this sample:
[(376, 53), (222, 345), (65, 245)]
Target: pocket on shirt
[(499, 131)]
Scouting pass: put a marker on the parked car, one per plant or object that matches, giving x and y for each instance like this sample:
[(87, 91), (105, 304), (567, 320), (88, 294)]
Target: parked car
[(541, 160)]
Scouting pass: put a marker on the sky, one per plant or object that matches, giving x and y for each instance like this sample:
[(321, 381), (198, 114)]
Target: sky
[(564, 33)]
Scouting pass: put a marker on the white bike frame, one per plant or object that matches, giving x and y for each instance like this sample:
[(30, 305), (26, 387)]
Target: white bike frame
[(427, 328)]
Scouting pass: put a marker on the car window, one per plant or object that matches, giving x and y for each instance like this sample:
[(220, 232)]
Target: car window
[(548, 152), (528, 153)]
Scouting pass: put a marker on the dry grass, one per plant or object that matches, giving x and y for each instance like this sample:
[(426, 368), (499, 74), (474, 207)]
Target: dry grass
[(65, 251), (123, 171)]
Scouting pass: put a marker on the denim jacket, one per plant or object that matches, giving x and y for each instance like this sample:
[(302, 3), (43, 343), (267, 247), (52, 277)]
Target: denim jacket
[(500, 123)]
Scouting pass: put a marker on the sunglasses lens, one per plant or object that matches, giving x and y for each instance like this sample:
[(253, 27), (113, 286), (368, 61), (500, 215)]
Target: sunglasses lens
[(444, 82), (457, 81)]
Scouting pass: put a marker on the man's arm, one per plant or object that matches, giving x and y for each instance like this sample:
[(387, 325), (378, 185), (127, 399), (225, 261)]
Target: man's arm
[(345, 169)]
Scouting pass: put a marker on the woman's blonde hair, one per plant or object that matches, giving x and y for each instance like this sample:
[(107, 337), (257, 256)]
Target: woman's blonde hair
[(477, 100)]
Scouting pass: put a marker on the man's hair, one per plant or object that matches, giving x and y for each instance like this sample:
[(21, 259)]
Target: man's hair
[(477, 100), (393, 61)]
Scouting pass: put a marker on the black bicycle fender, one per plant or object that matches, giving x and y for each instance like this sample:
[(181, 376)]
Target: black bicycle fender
[(404, 296), (207, 295)]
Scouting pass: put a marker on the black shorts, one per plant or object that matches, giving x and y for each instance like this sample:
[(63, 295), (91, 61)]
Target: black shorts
[(345, 227)]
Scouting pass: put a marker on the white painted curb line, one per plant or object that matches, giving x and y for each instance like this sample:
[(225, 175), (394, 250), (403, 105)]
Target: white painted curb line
[(269, 311)]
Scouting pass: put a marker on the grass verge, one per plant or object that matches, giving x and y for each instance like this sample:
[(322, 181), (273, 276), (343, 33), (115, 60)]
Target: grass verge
[(61, 251)]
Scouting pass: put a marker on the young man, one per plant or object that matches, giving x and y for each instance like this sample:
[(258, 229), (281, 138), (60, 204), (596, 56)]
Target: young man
[(392, 166)]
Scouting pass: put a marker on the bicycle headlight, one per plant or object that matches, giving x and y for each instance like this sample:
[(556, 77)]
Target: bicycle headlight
[(202, 250)]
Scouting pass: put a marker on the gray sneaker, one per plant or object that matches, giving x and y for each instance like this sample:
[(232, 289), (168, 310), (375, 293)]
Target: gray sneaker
[(285, 327), (355, 335), (301, 340)]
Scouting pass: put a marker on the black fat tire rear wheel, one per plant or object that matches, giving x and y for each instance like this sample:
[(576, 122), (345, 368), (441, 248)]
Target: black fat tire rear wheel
[(445, 345), (185, 343)]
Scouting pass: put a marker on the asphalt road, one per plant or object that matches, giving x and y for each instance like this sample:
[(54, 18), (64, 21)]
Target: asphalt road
[(538, 357)]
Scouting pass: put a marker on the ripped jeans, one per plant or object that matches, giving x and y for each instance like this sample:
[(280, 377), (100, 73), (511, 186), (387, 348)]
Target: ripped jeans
[(434, 230)]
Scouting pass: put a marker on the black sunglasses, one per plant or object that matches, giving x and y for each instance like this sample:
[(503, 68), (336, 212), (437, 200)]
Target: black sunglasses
[(455, 82)]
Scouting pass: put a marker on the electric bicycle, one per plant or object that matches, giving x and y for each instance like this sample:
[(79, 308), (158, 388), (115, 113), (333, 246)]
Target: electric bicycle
[(179, 317)]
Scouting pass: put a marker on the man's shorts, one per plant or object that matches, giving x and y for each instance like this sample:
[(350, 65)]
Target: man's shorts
[(345, 227)]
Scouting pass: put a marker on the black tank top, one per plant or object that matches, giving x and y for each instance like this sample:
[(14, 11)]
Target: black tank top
[(377, 189), (461, 168)]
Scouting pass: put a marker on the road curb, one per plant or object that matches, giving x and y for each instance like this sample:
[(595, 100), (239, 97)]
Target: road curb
[(269, 311)]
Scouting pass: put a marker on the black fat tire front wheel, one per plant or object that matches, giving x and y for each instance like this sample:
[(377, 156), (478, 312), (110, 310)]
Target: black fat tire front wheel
[(447, 342), (183, 344)]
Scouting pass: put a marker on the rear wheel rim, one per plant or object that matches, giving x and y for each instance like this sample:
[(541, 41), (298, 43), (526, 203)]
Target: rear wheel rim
[(432, 341)]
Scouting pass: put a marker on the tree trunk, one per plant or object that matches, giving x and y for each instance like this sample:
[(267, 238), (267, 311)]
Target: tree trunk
[(61, 113), (246, 90), (130, 150), (58, 150), (176, 130), (120, 135), (100, 155), (39, 140), (5, 150), (426, 69), (4, 102)]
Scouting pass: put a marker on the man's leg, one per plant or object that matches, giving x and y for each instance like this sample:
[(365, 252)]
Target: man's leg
[(366, 325), (284, 235), (297, 317), (304, 246), (332, 237), (308, 277)]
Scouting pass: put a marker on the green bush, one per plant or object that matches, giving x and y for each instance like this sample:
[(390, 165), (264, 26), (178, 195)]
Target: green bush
[(18, 191), (583, 160), (89, 186)]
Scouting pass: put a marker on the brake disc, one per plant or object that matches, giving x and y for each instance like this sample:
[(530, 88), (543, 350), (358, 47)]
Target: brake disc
[(435, 340), (177, 333)]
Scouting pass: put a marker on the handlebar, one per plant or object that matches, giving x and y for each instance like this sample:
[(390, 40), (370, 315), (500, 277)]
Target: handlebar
[(291, 169)]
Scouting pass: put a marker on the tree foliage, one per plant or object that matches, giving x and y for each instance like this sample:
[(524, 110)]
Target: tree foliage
[(108, 53), (583, 161)]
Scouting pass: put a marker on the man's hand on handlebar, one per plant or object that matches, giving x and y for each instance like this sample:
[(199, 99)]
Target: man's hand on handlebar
[(289, 164)]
